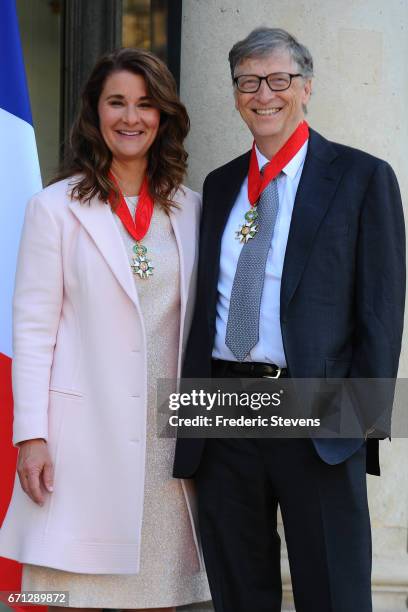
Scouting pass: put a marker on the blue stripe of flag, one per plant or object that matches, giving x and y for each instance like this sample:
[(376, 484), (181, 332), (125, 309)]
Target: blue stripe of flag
[(13, 84)]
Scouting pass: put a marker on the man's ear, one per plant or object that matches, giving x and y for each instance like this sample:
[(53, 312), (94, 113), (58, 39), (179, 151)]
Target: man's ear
[(307, 91)]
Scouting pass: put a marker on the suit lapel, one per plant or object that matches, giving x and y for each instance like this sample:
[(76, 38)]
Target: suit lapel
[(217, 207), (316, 189), (98, 221), (227, 191)]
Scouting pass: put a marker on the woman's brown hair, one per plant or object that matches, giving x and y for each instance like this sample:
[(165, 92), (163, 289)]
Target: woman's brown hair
[(88, 154)]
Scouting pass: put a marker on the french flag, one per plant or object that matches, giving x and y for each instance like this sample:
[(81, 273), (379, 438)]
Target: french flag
[(19, 178)]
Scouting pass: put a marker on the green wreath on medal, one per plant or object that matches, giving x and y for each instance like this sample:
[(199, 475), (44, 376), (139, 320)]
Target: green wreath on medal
[(249, 228)]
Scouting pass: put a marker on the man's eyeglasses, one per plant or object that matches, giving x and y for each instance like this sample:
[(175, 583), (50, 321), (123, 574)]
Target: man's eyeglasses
[(277, 81)]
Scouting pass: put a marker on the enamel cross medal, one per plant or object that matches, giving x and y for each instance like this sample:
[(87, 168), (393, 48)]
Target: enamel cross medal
[(142, 266), (249, 228)]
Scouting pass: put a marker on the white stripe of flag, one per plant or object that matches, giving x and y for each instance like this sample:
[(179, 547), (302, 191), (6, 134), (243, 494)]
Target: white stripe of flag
[(19, 168)]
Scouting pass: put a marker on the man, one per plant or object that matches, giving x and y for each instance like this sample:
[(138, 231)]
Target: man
[(329, 235)]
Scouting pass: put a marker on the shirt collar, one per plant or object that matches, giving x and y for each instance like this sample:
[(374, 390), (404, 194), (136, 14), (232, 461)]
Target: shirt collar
[(292, 168)]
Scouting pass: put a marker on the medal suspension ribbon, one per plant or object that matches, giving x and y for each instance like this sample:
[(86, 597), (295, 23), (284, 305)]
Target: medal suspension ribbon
[(258, 182), (138, 227)]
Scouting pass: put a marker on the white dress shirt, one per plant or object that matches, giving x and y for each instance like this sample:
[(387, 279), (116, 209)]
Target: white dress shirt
[(269, 348)]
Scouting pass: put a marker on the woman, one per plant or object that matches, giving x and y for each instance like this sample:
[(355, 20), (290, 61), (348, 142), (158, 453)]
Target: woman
[(100, 314)]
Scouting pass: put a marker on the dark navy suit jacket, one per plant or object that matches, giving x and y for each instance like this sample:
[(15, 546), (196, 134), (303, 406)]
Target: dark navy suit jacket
[(343, 280)]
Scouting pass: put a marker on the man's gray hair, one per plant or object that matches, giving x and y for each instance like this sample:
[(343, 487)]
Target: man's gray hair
[(265, 41)]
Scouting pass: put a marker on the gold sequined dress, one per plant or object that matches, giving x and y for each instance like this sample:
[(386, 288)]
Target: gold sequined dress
[(170, 574)]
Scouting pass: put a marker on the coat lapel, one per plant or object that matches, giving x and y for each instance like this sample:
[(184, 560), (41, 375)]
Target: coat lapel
[(178, 219), (316, 189), (98, 221), (183, 225)]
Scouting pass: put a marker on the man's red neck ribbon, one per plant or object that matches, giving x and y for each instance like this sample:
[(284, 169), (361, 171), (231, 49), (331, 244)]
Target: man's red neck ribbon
[(257, 181)]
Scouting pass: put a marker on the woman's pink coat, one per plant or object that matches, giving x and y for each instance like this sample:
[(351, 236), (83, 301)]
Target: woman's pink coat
[(79, 380)]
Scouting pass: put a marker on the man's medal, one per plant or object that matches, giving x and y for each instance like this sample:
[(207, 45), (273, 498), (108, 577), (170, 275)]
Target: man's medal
[(257, 181)]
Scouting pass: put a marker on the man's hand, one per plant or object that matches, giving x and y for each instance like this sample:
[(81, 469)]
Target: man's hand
[(35, 469)]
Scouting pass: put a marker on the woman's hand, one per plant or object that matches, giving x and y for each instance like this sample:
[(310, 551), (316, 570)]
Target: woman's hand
[(35, 469)]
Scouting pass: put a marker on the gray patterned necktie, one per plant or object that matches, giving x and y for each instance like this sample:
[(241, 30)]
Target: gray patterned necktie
[(243, 317)]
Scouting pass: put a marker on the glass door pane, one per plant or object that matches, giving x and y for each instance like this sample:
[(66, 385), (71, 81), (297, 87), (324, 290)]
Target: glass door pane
[(145, 25)]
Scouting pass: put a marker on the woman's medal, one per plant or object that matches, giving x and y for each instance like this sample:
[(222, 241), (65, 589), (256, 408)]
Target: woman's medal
[(141, 264)]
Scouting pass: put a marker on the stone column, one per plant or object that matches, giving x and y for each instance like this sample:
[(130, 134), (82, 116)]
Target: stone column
[(360, 98)]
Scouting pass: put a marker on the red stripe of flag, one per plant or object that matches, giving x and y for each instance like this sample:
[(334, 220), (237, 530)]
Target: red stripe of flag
[(10, 571)]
